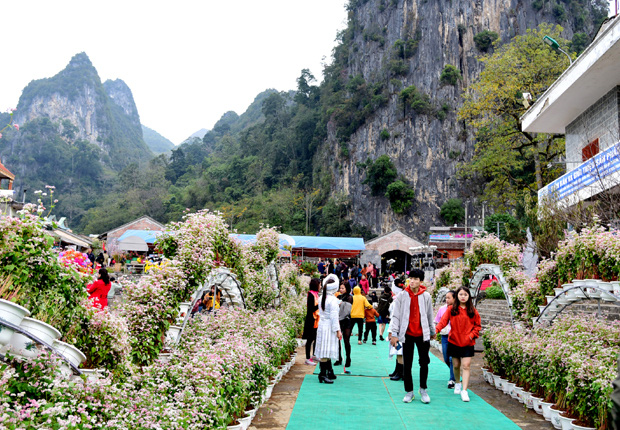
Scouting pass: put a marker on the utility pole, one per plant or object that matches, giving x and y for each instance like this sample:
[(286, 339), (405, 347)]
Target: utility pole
[(466, 204)]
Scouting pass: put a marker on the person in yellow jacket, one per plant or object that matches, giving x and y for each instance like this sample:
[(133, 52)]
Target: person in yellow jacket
[(360, 303)]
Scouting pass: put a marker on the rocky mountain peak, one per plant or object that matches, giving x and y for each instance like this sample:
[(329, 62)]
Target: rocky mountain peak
[(120, 93)]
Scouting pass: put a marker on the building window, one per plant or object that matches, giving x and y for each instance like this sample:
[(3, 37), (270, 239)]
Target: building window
[(590, 150)]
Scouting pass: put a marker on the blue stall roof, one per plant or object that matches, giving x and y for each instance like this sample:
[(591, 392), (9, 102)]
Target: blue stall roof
[(329, 243), (148, 236)]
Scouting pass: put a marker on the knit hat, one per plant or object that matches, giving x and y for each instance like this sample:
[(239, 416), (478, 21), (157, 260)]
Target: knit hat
[(331, 284)]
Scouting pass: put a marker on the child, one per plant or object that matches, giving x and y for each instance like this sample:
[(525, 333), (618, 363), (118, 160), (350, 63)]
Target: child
[(464, 329), (450, 297), (371, 324), (384, 310), (364, 285), (357, 312)]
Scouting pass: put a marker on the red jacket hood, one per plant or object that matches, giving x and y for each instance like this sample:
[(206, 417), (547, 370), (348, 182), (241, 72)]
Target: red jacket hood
[(420, 291)]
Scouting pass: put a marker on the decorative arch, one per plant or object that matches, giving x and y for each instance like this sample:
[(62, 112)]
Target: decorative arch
[(476, 282)]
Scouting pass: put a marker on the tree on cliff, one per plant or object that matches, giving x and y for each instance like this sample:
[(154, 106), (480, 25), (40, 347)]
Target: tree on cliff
[(510, 160)]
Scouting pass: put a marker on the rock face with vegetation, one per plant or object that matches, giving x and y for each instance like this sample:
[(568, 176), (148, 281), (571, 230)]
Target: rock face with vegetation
[(415, 59), (376, 146)]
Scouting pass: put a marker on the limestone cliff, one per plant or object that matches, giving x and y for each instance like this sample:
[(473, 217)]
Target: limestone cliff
[(425, 149), (85, 109)]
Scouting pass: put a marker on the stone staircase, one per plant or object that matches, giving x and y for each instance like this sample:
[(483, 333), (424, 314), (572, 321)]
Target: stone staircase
[(493, 312)]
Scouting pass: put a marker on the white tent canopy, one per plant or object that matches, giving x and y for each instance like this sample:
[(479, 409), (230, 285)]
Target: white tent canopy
[(133, 243)]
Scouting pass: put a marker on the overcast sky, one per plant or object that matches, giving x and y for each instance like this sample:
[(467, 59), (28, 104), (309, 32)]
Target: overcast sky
[(186, 62)]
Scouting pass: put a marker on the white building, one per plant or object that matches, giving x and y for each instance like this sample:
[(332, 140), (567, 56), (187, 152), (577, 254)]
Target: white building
[(584, 104)]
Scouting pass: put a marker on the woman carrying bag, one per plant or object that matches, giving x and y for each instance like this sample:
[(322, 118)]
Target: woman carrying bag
[(312, 319)]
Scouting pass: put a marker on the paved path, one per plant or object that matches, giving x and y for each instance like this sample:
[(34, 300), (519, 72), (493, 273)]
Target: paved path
[(368, 399)]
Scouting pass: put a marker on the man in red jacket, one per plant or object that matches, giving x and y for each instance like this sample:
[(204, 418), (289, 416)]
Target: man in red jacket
[(412, 325)]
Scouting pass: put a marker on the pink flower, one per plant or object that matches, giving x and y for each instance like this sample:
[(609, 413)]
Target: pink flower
[(16, 126)]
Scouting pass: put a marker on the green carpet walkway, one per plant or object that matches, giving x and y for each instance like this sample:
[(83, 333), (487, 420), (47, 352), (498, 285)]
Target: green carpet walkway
[(368, 399)]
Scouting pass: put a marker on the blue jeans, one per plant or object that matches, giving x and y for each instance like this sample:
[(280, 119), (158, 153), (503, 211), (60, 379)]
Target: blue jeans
[(446, 359)]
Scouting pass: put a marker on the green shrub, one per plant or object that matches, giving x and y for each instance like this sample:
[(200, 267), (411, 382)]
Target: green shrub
[(442, 113), (559, 12), (419, 102), (484, 40), (398, 67), (579, 42), (401, 196), (452, 211), (450, 75), (462, 29), (380, 174), (495, 292), (384, 135)]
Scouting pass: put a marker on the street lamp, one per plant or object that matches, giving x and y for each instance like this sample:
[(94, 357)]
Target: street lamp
[(556, 46)]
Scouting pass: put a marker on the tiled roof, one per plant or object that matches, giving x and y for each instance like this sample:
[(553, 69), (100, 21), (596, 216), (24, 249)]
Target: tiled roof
[(5, 173)]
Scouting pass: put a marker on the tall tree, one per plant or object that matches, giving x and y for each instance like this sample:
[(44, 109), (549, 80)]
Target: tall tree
[(509, 159)]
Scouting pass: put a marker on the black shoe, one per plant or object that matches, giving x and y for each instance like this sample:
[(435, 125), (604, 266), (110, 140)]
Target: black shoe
[(451, 384), (330, 371), (381, 337), (374, 342), (323, 374), (364, 340), (338, 363), (397, 377), (348, 363)]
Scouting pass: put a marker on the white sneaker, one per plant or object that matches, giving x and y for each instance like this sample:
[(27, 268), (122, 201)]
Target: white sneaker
[(309, 362), (464, 396), (457, 388), (451, 383), (424, 396), (409, 397)]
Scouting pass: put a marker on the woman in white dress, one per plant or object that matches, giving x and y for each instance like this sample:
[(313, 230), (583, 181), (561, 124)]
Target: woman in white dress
[(328, 333)]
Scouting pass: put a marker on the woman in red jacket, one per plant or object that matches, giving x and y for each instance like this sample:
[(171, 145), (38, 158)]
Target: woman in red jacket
[(99, 290), (465, 326)]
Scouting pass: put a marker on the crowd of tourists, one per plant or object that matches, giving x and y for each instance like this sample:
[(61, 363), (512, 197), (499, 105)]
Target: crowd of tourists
[(338, 304)]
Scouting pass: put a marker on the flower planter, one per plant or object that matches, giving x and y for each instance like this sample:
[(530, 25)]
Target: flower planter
[(235, 427), (579, 283), (536, 405), (490, 378), (578, 427), (566, 422), (555, 418), (518, 394), (11, 313), (615, 286), (301, 342), (27, 347), (593, 293), (183, 310), (546, 408), (607, 295), (527, 399), (71, 353), (252, 413), (561, 296), (497, 382), (245, 422), (92, 374), (550, 299), (569, 295), (268, 391), (511, 388), (172, 335), (484, 372), (505, 383)]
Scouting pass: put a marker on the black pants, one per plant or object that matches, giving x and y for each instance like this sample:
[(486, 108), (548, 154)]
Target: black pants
[(309, 349), (372, 327), (424, 359), (345, 328), (360, 326)]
